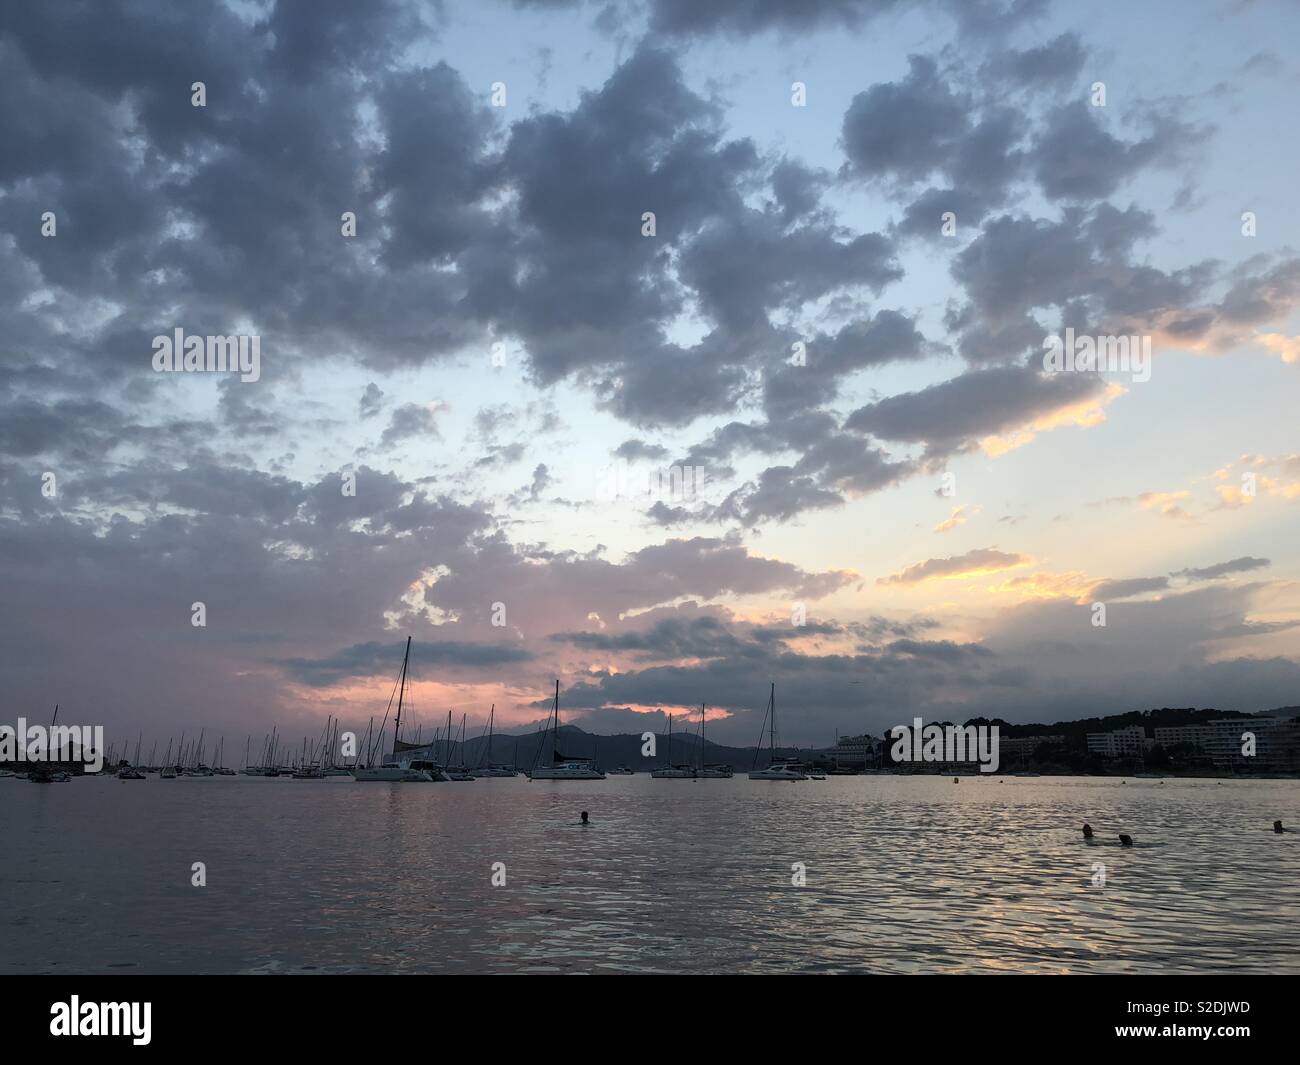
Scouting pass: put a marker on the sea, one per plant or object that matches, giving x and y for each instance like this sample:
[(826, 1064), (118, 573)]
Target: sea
[(874, 874)]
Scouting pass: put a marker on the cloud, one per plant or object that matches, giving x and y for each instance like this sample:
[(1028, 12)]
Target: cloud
[(636, 450), (1244, 564), (1287, 348), (906, 129), (954, 415), (375, 659), (1075, 158), (959, 516), (974, 563), (407, 421)]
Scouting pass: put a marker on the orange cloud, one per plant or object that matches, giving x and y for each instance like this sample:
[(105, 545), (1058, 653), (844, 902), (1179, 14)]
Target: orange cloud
[(975, 563)]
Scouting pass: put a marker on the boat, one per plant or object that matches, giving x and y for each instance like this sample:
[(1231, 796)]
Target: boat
[(670, 771), (784, 770), (168, 772), (714, 770), (460, 772), (674, 772), (493, 769), (396, 768), (562, 767), (42, 775), (131, 771), (7, 773), (621, 771), (780, 771)]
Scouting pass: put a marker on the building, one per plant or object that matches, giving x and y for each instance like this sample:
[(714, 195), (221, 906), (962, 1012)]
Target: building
[(1025, 746), (853, 752), (1276, 742), (1128, 742)]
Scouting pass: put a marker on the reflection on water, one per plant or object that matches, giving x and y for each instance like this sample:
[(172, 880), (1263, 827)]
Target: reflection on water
[(903, 875)]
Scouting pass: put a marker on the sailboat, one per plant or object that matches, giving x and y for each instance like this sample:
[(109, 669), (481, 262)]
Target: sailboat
[(775, 770), (329, 767), (493, 769), (561, 767), (220, 770), (715, 770), (670, 771), (395, 768), (457, 772), (132, 771)]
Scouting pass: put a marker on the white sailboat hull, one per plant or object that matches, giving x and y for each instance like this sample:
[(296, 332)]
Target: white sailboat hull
[(392, 773), (566, 772), (777, 773)]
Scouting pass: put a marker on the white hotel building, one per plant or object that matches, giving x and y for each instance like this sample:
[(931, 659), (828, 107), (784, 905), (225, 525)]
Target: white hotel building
[(1128, 742)]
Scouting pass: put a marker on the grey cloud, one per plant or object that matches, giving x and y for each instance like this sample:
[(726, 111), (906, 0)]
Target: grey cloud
[(908, 128), (1107, 591), (953, 415), (1075, 158), (1244, 564), (635, 450), (371, 401), (384, 659), (409, 420)]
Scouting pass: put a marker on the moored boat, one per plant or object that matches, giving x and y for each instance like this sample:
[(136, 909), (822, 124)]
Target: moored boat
[(562, 766), (784, 769), (406, 764)]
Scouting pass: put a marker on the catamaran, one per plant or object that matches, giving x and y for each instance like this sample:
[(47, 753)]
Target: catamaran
[(784, 770), (398, 768), (562, 767)]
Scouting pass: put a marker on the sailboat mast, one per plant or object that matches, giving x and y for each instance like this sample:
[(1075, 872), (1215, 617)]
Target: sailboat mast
[(771, 701), (555, 736), (397, 725)]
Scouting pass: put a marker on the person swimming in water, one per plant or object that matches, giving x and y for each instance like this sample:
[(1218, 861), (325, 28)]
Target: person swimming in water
[(584, 818), (1087, 830), (1277, 827), (1125, 841)]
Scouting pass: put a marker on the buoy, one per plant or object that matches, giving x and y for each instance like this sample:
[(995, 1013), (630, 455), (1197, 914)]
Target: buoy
[(1125, 841), (1087, 831)]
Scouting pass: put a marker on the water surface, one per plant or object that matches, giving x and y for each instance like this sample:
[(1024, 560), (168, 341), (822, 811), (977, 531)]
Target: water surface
[(903, 874)]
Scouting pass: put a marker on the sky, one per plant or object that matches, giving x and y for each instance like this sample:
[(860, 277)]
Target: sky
[(667, 349)]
